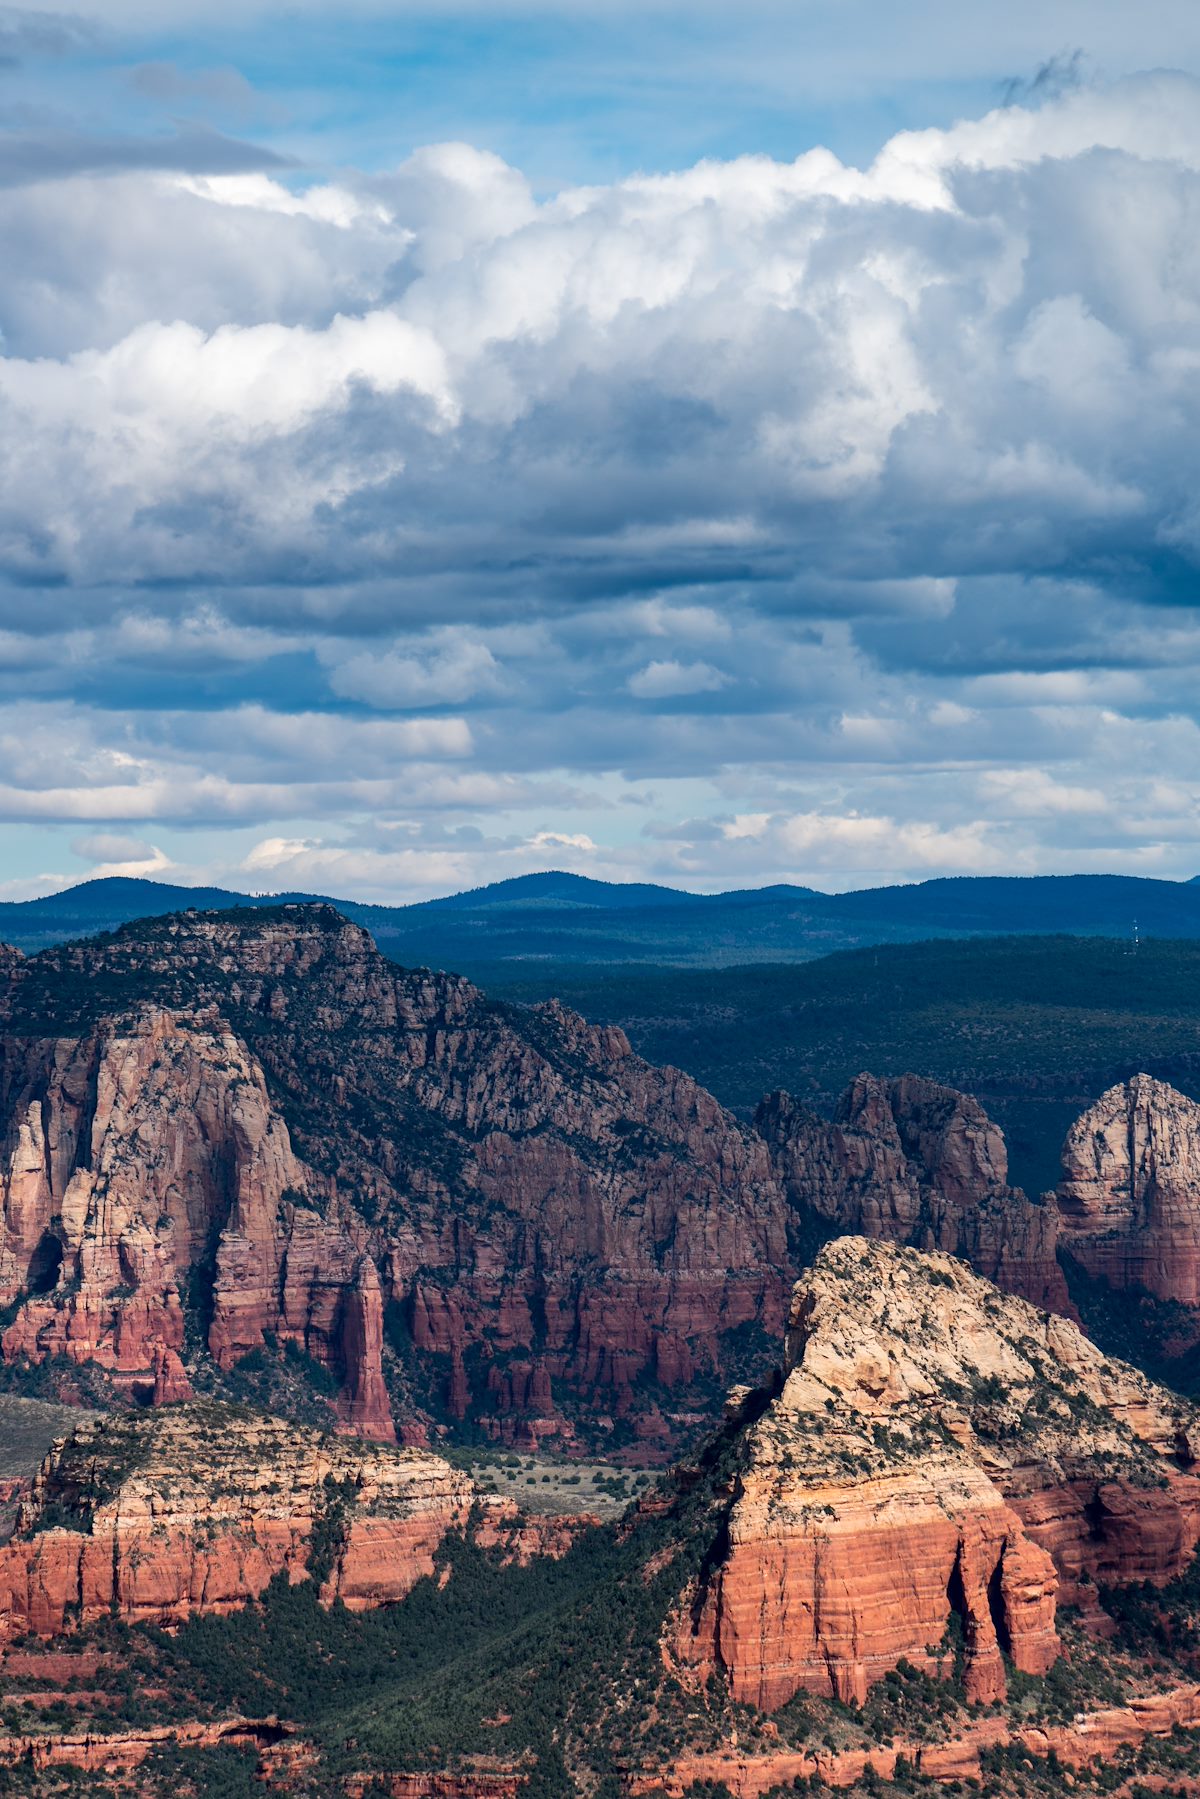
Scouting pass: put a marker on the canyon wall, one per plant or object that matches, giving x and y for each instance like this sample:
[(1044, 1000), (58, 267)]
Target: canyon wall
[(225, 1128), (910, 1161)]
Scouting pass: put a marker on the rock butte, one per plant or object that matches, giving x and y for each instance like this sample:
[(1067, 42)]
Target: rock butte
[(942, 1466), (195, 1508)]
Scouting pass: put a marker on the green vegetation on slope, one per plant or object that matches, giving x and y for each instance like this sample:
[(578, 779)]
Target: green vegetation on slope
[(1035, 1027), (582, 921)]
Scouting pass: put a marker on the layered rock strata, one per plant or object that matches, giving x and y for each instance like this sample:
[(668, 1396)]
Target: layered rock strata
[(942, 1466), (254, 1120), (910, 1161), (153, 1516), (1087, 1741)]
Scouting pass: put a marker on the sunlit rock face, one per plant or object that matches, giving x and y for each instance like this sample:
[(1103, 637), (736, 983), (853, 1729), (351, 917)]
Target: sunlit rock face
[(195, 1507), (1129, 1198), (941, 1467)]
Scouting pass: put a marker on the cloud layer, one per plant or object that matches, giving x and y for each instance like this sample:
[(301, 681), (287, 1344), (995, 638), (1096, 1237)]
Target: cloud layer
[(759, 520)]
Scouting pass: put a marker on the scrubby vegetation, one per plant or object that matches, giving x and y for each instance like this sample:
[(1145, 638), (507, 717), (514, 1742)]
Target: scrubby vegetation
[(555, 1669)]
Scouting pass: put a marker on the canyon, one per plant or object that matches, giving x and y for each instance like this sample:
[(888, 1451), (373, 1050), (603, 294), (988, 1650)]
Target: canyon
[(230, 1135), (941, 1480), (228, 1132), (233, 1135)]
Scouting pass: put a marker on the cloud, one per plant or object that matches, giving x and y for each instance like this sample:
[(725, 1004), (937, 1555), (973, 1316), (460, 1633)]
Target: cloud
[(761, 518), (565, 840), (112, 854), (53, 154), (226, 89), (856, 842), (25, 33), (453, 669), (106, 846), (673, 680), (1056, 76)]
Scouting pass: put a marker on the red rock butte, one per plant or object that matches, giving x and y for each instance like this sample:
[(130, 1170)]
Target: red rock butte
[(942, 1467)]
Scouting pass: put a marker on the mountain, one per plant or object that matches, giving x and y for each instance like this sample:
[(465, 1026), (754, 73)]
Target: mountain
[(948, 1541), (244, 1154), (571, 919), (1036, 1028), (245, 1141)]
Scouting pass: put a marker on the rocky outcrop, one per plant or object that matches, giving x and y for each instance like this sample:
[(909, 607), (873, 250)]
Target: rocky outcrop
[(195, 1508), (122, 1752), (1089, 1740), (939, 1469), (221, 1126), (1129, 1198), (363, 1403), (910, 1161), (140, 1155)]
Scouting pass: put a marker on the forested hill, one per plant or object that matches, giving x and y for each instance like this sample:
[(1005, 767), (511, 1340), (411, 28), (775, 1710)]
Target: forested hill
[(573, 920)]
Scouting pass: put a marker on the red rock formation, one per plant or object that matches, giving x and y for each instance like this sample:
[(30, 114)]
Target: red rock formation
[(1129, 1198), (938, 1459), (909, 1161), (472, 1783), (132, 1151), (1090, 1738), (121, 1752), (197, 1507), (363, 1404), (171, 1384), (262, 1102)]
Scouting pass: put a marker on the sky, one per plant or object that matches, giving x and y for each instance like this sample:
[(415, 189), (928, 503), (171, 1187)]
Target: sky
[(704, 444)]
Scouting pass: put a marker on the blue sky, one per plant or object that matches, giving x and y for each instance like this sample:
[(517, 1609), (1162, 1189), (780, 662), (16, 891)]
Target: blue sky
[(705, 444)]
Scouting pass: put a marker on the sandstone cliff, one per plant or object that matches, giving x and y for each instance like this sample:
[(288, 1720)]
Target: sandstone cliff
[(255, 1122), (1129, 1198), (196, 1507), (940, 1468), (909, 1161)]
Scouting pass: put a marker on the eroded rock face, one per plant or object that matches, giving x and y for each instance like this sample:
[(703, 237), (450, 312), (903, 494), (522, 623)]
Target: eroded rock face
[(910, 1161), (942, 1466), (1129, 1198), (258, 1109), (144, 1156), (195, 1508)]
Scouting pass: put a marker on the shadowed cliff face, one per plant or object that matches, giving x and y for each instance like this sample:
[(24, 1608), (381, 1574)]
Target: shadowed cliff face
[(910, 1161), (257, 1110), (942, 1466)]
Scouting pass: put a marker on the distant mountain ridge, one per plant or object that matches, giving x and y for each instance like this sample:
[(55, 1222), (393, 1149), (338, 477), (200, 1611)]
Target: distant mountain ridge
[(573, 918)]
